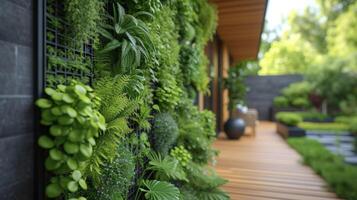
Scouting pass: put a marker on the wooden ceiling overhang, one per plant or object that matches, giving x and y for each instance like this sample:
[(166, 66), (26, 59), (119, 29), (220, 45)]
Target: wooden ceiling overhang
[(240, 25)]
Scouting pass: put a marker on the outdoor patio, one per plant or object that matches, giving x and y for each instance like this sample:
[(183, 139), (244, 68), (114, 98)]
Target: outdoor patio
[(265, 167)]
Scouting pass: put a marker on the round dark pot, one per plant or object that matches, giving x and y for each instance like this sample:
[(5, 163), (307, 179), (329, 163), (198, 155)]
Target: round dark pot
[(234, 128)]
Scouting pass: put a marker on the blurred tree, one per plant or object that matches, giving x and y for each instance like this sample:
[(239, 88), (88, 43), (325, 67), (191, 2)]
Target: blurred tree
[(342, 36), (311, 28), (291, 54)]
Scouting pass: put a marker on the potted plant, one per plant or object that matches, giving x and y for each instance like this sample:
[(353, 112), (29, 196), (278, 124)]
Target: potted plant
[(235, 126)]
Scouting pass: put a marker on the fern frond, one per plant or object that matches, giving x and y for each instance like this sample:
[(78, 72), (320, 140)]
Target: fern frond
[(166, 168), (159, 190)]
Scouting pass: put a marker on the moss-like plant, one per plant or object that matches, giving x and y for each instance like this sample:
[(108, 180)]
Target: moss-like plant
[(71, 112), (116, 176), (164, 133), (83, 17)]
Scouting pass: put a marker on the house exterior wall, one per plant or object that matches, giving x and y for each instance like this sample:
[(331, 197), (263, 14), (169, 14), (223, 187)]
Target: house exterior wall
[(16, 100)]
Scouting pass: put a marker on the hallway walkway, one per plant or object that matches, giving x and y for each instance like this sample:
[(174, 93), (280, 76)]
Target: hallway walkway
[(266, 168)]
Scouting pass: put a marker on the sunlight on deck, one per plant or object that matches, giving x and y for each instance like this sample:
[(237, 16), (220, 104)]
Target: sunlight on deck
[(265, 167)]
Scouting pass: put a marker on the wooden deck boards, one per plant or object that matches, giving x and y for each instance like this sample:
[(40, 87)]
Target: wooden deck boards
[(266, 168)]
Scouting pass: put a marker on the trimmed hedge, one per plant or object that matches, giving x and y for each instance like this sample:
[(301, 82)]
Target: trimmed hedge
[(288, 118)]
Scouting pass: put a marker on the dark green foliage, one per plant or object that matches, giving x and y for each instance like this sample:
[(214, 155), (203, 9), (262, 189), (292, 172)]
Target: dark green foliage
[(116, 176), (295, 95), (126, 42), (235, 85), (164, 133), (83, 17), (197, 132), (300, 102), (288, 118), (203, 184), (165, 62), (340, 176)]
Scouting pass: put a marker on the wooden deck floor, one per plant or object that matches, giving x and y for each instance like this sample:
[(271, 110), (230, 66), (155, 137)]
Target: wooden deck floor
[(266, 168)]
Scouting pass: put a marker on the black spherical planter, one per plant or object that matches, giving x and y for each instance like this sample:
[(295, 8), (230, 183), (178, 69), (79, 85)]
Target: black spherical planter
[(234, 128)]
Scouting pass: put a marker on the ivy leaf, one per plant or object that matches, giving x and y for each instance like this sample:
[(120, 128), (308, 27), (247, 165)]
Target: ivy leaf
[(64, 180), (56, 154), (86, 150), (44, 103), (79, 90), (76, 175), (51, 164), (45, 142), (75, 136), (65, 120), (72, 164), (49, 91), (53, 190), (67, 98), (83, 184), (72, 186), (57, 96), (56, 111), (69, 110), (70, 147), (56, 130)]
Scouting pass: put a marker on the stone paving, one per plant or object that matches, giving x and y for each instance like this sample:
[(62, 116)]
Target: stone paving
[(341, 143)]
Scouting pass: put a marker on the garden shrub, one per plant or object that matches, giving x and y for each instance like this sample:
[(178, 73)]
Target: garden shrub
[(288, 118), (281, 102), (164, 133), (295, 95), (300, 103), (341, 177)]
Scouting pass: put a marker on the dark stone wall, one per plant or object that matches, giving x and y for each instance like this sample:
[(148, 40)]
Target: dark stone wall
[(263, 89), (16, 100)]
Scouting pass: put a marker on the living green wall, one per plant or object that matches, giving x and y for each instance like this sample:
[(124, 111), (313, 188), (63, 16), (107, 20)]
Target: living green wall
[(135, 132)]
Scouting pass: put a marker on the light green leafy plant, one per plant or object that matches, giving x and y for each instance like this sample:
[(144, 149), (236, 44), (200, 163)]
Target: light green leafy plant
[(181, 154), (71, 112), (159, 190)]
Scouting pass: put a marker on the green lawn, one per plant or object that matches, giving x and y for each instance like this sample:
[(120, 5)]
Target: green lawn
[(330, 126), (341, 177)]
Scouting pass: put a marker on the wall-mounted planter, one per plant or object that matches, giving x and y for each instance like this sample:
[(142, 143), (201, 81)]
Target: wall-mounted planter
[(290, 131)]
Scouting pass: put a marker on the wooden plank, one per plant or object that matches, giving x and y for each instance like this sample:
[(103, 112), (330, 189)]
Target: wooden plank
[(265, 167)]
